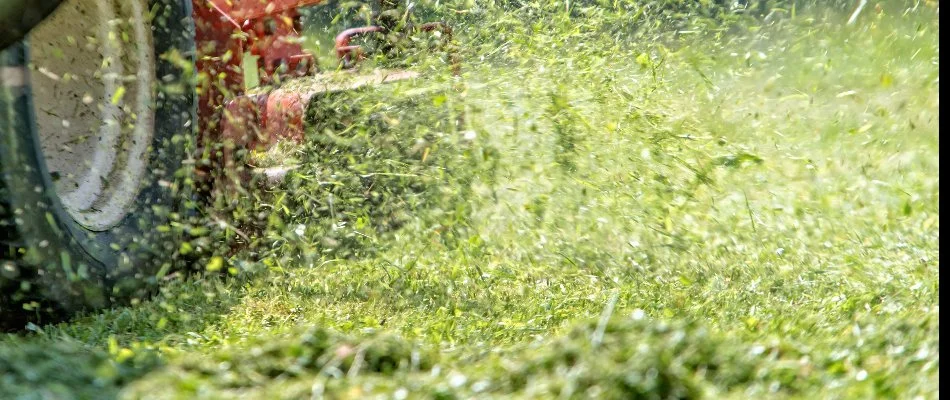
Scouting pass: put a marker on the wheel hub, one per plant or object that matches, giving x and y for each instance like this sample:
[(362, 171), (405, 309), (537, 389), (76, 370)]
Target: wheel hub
[(92, 79)]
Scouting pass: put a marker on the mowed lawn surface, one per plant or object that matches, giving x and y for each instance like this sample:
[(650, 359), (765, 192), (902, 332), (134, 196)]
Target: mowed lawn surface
[(746, 214)]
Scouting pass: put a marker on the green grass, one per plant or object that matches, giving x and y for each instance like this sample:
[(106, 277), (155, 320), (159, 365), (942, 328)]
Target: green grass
[(740, 214)]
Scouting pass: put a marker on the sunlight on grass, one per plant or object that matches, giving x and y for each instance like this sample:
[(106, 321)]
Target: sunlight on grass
[(741, 212)]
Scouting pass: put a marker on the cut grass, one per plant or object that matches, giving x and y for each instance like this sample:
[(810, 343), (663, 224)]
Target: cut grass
[(740, 216)]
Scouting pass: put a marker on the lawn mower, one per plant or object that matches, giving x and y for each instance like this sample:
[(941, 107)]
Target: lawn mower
[(103, 104)]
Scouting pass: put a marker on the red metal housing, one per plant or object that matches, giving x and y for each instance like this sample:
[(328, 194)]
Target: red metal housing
[(226, 29), (269, 30)]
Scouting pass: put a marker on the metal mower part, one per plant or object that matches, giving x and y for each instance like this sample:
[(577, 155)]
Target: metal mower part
[(233, 118)]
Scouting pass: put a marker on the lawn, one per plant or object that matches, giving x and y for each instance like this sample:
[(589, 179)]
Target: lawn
[(742, 210)]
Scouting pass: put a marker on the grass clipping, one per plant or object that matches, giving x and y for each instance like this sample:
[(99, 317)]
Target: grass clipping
[(372, 158)]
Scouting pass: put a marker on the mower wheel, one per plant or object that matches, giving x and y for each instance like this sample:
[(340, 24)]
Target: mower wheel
[(96, 112)]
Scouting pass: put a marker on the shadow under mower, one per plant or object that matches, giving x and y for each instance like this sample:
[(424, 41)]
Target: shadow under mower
[(111, 110)]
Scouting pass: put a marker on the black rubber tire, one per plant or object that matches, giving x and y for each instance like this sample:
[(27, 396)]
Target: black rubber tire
[(51, 266), (19, 18)]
